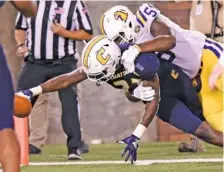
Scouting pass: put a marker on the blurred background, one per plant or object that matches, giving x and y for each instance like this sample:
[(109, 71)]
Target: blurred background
[(105, 112)]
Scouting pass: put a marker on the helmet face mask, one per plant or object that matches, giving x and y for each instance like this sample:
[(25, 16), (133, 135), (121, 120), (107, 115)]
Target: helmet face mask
[(121, 38), (103, 76)]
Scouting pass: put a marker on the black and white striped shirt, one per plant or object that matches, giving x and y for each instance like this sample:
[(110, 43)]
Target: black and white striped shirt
[(41, 41)]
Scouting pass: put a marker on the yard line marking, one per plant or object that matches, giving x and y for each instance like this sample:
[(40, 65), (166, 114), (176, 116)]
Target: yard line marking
[(62, 156), (139, 162)]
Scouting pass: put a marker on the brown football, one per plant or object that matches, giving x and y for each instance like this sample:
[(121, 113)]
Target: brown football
[(22, 106)]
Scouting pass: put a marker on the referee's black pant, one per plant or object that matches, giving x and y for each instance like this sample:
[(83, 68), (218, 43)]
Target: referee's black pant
[(35, 72)]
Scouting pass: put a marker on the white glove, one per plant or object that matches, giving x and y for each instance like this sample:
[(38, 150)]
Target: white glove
[(128, 58), (144, 93)]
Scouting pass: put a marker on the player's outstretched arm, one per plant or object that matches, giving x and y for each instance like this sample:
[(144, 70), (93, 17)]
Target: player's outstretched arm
[(150, 111), (152, 106), (64, 81), (164, 40), (28, 8), (57, 83)]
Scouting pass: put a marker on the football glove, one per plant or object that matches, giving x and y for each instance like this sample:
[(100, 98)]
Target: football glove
[(25, 93), (144, 93), (128, 58), (131, 148)]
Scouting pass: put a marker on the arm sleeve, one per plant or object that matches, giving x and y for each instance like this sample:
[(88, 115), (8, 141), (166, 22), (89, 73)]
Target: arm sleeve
[(83, 19), (21, 22), (147, 65)]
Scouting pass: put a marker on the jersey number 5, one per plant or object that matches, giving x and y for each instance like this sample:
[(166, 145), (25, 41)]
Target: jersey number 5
[(149, 12), (100, 58)]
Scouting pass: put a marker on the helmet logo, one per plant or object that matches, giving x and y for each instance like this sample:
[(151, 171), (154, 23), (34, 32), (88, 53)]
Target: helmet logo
[(100, 58), (121, 15), (137, 28)]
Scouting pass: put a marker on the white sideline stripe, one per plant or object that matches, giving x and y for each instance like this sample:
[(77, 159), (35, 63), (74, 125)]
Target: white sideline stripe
[(62, 156), (139, 162)]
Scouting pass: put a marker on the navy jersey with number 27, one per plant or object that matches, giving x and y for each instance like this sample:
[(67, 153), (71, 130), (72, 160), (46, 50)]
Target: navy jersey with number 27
[(146, 66)]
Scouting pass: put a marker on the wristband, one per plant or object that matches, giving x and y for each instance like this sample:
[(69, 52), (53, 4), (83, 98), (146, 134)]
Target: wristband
[(137, 48), (140, 129), (36, 90)]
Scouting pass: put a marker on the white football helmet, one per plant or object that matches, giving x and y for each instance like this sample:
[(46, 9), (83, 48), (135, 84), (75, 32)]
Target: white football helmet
[(99, 59), (119, 24)]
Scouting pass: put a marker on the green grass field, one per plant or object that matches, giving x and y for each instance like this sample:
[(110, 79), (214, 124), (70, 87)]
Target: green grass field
[(111, 152)]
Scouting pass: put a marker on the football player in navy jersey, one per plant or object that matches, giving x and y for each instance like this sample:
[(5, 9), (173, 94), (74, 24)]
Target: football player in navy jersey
[(101, 63), (9, 146)]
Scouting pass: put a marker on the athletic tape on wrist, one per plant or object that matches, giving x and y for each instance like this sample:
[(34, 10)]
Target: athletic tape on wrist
[(36, 90), (138, 48), (140, 129)]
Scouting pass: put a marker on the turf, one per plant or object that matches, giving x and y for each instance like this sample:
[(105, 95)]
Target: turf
[(55, 153), (182, 167)]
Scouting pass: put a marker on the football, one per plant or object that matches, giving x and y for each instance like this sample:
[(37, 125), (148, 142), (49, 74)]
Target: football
[(22, 106)]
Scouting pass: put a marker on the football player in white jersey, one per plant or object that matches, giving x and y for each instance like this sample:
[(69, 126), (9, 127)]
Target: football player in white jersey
[(150, 31)]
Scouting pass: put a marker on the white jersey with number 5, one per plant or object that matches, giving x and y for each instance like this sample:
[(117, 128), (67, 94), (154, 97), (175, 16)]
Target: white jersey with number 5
[(189, 44)]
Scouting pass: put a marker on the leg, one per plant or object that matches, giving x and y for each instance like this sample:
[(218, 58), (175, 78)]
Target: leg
[(181, 88), (84, 147), (189, 97), (174, 112), (9, 146), (212, 100), (178, 115), (33, 75), (216, 120), (38, 123), (9, 151), (209, 135), (70, 118)]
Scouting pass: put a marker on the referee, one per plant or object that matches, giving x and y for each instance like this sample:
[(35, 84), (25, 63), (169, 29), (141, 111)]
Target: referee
[(48, 43)]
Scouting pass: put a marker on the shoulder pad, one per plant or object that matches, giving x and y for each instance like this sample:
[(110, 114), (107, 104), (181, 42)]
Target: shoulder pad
[(146, 14)]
